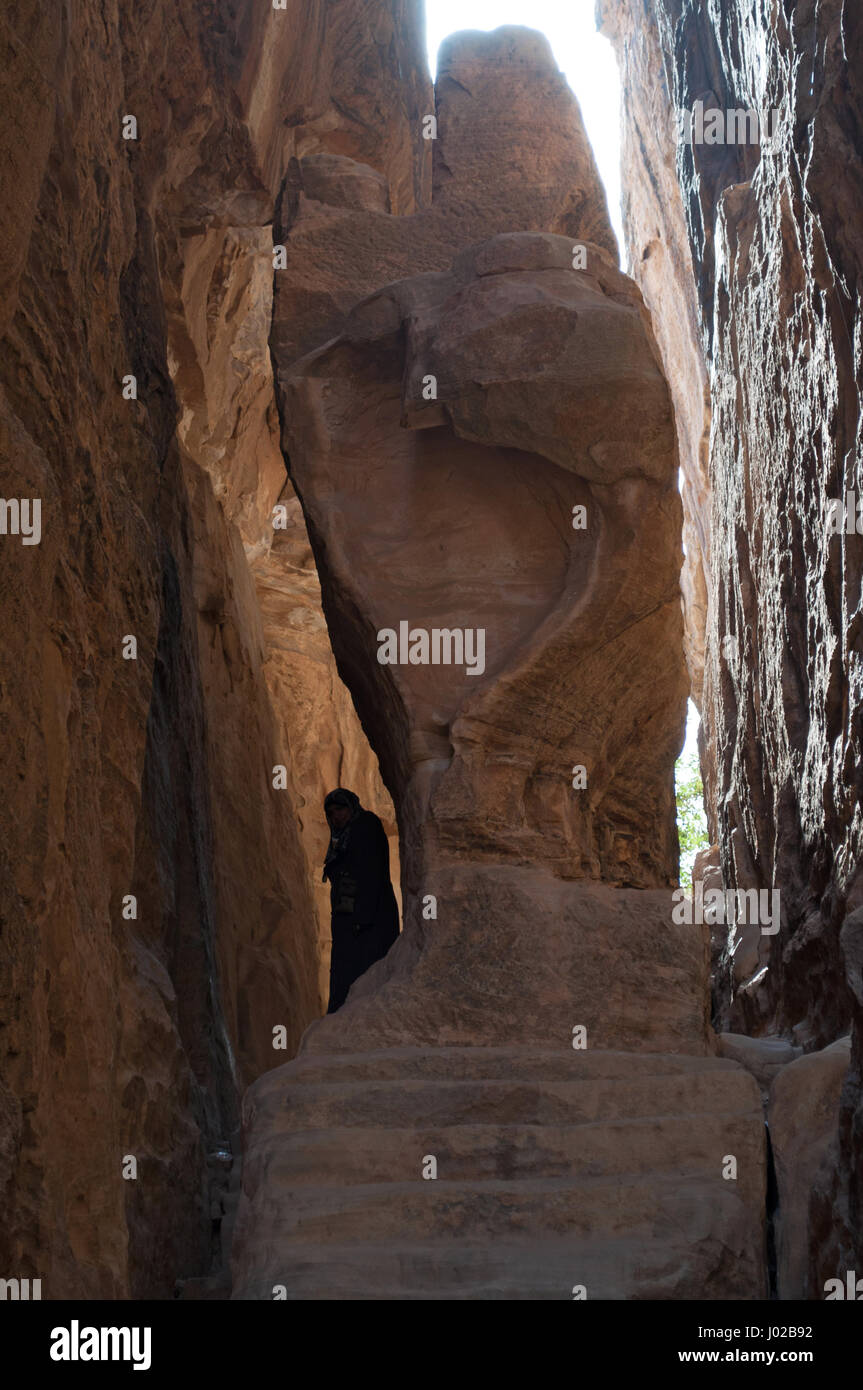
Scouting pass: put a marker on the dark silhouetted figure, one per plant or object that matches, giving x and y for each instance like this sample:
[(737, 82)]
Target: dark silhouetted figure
[(365, 915)]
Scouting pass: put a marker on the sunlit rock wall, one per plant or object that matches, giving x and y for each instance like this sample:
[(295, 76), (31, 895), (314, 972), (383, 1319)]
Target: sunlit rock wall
[(130, 1029), (772, 235)]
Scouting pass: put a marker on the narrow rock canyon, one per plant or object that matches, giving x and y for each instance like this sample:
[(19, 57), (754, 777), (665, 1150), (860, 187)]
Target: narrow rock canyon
[(337, 450)]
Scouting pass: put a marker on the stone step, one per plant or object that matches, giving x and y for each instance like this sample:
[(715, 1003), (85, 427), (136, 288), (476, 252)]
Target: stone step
[(485, 1063), (358, 1155), (457, 1269), (409, 1103), (609, 1164), (424, 1210)]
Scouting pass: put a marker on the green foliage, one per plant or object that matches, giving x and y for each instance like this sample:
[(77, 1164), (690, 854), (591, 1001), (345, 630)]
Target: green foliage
[(691, 820)]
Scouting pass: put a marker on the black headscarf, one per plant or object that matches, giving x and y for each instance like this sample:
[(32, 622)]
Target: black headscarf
[(339, 839)]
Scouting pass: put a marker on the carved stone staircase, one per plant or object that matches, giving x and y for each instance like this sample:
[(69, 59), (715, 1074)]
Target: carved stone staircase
[(556, 1171)]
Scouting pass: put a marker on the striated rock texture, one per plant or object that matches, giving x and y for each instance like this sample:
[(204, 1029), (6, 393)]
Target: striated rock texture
[(456, 510), (772, 234), (460, 516), (228, 425), (660, 260), (448, 433), (336, 220), (803, 1114), (130, 1030)]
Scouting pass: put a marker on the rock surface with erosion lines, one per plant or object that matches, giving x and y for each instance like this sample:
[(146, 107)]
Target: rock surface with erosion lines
[(750, 257), (132, 1027)]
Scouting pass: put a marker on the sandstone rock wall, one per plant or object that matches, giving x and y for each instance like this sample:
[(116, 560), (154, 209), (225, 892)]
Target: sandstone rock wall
[(660, 260), (153, 777), (456, 511), (772, 235)]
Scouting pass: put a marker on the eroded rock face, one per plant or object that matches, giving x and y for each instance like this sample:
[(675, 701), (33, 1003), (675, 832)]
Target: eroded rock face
[(219, 288), (495, 91), (465, 522), (772, 236), (804, 1111), (153, 777), (455, 510)]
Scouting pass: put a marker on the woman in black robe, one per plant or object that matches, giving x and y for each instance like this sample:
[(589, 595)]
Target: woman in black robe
[(365, 915)]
